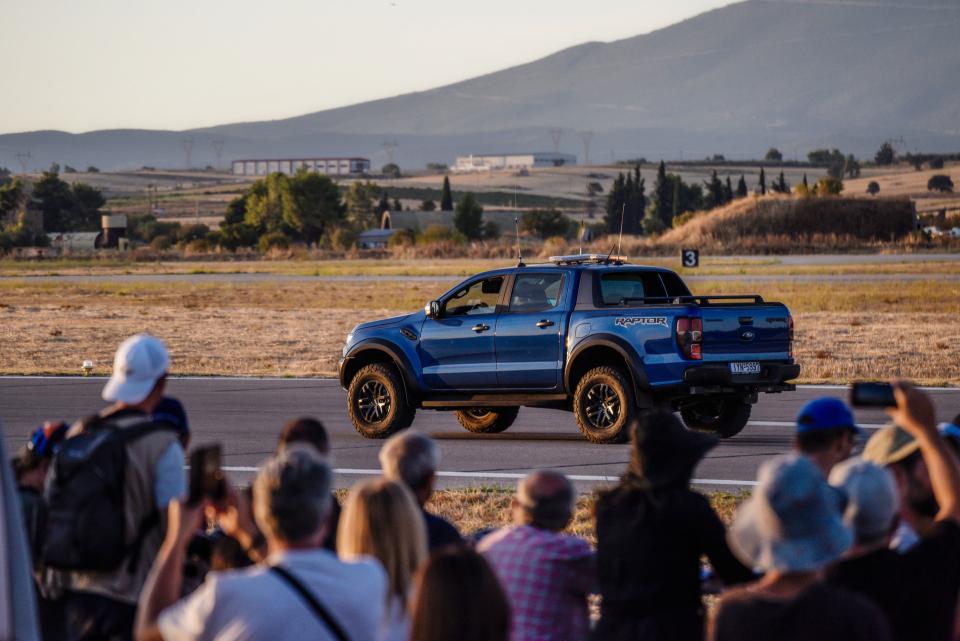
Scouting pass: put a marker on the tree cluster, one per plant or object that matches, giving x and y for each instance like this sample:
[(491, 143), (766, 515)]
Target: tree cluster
[(547, 223), (838, 165), (468, 220), (627, 199)]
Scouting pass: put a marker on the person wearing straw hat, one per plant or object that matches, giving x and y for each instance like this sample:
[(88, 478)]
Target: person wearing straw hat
[(791, 528), (652, 530)]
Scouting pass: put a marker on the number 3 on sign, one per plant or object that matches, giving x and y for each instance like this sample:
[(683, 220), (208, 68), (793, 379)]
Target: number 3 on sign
[(690, 257)]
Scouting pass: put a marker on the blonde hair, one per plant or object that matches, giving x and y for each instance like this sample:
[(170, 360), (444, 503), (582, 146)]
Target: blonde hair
[(381, 519)]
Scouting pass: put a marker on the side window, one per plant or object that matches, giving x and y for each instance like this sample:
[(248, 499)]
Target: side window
[(630, 288), (475, 299), (535, 292), (675, 286)]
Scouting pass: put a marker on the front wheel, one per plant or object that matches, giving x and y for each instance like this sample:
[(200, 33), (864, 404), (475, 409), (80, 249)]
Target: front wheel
[(487, 420), (725, 417), (375, 401), (603, 405)]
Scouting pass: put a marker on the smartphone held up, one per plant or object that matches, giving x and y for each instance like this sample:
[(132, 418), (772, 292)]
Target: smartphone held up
[(872, 395), (206, 475)]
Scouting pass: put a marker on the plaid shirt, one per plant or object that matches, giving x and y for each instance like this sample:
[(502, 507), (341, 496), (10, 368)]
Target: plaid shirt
[(547, 577)]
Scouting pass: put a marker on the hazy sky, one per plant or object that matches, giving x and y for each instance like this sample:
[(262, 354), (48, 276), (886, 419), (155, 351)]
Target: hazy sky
[(81, 65)]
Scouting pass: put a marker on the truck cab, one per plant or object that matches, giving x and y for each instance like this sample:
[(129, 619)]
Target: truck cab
[(590, 334)]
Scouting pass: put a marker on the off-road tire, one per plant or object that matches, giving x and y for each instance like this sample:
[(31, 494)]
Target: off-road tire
[(724, 417), (487, 420), (376, 403), (603, 405)]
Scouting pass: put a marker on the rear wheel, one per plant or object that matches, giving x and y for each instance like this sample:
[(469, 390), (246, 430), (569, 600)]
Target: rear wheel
[(487, 420), (603, 405), (725, 417), (375, 401)]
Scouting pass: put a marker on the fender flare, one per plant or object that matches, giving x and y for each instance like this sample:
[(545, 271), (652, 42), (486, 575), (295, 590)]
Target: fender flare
[(399, 358), (635, 369)]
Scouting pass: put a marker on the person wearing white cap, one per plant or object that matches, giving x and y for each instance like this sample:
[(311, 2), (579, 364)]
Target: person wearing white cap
[(102, 604), (791, 528), (918, 588)]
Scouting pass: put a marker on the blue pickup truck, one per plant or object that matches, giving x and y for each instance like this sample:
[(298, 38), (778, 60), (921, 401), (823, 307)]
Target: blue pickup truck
[(589, 334)]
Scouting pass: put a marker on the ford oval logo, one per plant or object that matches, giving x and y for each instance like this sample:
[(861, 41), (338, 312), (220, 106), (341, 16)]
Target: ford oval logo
[(747, 336)]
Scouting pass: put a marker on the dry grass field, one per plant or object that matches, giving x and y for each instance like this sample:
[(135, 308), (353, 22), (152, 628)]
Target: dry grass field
[(451, 267), (476, 509), (296, 328)]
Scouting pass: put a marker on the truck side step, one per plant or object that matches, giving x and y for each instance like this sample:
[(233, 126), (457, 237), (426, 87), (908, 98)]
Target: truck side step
[(490, 400)]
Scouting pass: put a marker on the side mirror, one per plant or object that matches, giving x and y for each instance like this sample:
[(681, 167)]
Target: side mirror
[(432, 309)]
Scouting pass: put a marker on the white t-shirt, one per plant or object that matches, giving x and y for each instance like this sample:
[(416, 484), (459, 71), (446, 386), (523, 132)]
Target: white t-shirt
[(255, 604)]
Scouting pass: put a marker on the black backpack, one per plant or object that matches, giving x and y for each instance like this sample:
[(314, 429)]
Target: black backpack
[(85, 521)]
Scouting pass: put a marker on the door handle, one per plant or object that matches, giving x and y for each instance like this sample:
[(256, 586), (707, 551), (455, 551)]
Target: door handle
[(545, 323), (479, 327)]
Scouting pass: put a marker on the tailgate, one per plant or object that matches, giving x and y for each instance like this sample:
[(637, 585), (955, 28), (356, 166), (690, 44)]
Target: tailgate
[(745, 332)]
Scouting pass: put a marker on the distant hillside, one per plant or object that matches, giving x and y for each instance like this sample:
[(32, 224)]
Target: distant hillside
[(792, 73)]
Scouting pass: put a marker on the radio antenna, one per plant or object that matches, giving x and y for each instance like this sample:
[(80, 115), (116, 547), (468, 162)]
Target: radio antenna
[(623, 211), (581, 234), (516, 225)]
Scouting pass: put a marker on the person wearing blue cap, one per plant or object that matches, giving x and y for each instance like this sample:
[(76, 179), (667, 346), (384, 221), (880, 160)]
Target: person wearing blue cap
[(31, 466), (826, 432)]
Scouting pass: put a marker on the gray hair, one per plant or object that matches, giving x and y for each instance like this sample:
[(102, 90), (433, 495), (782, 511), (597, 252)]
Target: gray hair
[(410, 457), (291, 494), (547, 499)]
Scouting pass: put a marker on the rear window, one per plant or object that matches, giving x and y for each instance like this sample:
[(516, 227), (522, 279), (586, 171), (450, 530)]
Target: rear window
[(630, 288), (675, 286)]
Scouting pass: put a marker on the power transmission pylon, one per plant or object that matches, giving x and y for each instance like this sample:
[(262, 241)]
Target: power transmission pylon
[(23, 157), (217, 144), (556, 133), (390, 148), (187, 149), (586, 137)]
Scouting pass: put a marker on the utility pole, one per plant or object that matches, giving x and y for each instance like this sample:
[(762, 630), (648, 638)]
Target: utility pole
[(586, 137), (187, 149), (217, 144)]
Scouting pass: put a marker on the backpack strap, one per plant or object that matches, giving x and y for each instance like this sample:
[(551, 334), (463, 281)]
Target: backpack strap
[(318, 608)]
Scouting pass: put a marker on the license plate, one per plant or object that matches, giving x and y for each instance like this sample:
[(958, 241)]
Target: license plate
[(750, 367)]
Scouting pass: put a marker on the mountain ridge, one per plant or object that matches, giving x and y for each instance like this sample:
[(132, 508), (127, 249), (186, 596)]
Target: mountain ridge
[(735, 80)]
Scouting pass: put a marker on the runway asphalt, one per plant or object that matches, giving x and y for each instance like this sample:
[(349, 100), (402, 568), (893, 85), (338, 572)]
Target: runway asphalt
[(245, 415)]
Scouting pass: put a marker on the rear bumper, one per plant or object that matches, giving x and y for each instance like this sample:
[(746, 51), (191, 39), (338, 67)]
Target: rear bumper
[(772, 376)]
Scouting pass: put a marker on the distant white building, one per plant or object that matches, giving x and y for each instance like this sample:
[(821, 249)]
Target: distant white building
[(489, 162), (290, 166)]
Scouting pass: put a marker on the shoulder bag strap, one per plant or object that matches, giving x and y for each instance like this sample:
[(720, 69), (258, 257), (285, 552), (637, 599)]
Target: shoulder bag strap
[(312, 601)]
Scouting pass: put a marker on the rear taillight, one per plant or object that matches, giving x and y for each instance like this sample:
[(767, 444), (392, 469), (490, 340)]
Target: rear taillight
[(790, 336), (690, 337)]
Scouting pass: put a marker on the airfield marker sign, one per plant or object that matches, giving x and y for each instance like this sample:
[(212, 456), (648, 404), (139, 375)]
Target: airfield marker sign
[(690, 257)]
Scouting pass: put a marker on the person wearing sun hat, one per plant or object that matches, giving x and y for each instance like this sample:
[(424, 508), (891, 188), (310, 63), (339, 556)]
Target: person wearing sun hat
[(826, 432), (917, 588), (103, 604), (898, 450), (652, 531), (791, 528)]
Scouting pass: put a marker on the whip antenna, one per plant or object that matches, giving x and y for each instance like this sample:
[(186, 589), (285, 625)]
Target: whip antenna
[(516, 226), (581, 233), (623, 211)]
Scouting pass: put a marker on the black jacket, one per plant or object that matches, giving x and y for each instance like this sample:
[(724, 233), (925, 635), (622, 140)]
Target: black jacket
[(649, 544)]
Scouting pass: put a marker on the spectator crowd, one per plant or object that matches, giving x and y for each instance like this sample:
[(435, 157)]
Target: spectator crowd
[(827, 546)]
